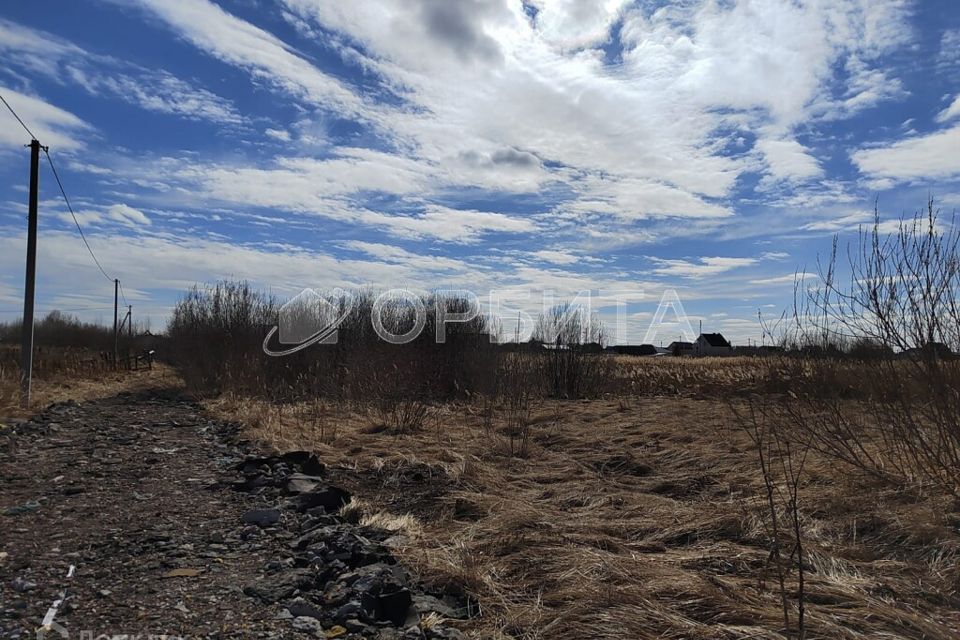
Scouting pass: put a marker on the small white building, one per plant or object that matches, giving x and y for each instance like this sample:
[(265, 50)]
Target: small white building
[(712, 344)]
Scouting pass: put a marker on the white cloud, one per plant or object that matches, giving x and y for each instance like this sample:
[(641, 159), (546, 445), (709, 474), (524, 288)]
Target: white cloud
[(948, 58), (774, 255), (127, 215), (394, 255), (706, 266), (122, 213), (266, 57), (41, 53), (928, 157), (451, 225), (162, 92), (644, 144), (951, 112), (785, 279), (847, 222), (278, 134), (332, 188), (788, 160), (53, 126), (556, 257), (572, 24)]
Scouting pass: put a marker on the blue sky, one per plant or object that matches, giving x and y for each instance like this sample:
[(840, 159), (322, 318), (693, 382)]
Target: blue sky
[(709, 147)]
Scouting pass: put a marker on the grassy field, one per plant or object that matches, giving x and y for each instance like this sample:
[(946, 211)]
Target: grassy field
[(641, 515), (66, 373)]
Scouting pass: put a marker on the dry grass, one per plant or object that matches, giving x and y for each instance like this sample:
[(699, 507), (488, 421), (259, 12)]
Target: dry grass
[(60, 376), (630, 517)]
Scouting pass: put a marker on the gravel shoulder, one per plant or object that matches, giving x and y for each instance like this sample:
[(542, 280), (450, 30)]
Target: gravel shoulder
[(173, 527)]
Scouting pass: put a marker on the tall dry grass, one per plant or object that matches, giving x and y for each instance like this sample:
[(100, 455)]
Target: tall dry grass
[(645, 522)]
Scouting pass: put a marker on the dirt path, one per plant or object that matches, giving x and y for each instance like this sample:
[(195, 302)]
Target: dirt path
[(174, 530), (126, 490)]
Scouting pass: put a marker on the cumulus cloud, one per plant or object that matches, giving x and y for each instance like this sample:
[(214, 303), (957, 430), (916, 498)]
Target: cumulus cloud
[(789, 160), (573, 24), (644, 128)]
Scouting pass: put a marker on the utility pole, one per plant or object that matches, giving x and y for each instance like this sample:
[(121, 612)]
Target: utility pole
[(130, 324), (30, 285), (116, 328)]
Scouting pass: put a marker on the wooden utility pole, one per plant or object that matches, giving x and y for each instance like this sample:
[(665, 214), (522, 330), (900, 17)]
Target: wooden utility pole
[(116, 327), (30, 285)]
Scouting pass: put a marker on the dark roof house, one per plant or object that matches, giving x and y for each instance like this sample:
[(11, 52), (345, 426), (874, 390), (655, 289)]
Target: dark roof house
[(715, 340)]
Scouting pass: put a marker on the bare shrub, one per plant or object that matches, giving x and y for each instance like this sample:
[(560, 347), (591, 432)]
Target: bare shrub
[(572, 362), (899, 309), (218, 331), (781, 462)]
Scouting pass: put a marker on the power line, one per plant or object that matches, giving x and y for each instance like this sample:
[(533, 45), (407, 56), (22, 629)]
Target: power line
[(59, 309), (59, 184), (74, 215), (122, 294), (22, 124)]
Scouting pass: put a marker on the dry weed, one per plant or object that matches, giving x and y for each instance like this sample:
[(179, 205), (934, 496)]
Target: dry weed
[(638, 523)]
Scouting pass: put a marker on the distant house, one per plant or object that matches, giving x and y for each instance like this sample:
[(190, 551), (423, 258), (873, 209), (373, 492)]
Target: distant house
[(633, 349), (712, 344), (930, 350), (679, 348)]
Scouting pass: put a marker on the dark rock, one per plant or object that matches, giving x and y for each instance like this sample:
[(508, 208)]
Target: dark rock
[(256, 481), (355, 626), (26, 507), (22, 585), (424, 605), (394, 606), (262, 517), (301, 607), (282, 585), (302, 483), (330, 498), (349, 610), (306, 462), (308, 625)]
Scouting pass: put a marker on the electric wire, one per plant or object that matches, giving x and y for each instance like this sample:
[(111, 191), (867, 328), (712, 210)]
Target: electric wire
[(74, 215), (22, 124)]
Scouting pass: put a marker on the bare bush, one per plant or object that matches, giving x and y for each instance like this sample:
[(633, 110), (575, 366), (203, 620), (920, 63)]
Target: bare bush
[(781, 462), (572, 362), (898, 307), (217, 334)]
